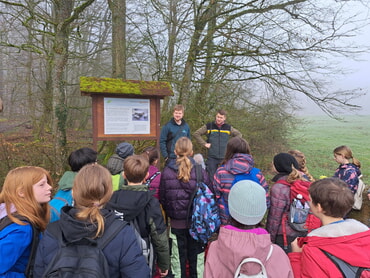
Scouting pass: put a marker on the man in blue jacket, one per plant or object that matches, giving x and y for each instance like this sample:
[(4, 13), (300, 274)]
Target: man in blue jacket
[(172, 131)]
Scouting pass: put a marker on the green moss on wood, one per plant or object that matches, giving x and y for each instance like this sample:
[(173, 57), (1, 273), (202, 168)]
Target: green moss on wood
[(93, 85)]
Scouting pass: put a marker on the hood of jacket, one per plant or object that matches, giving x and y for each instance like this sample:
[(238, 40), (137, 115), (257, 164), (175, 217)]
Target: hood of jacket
[(347, 240), (173, 165), (131, 200), (239, 163), (66, 181), (74, 230)]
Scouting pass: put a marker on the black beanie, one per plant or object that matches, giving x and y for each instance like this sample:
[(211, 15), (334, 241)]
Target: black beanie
[(283, 163)]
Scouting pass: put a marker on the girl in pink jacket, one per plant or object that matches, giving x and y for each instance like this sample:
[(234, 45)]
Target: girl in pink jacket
[(243, 238)]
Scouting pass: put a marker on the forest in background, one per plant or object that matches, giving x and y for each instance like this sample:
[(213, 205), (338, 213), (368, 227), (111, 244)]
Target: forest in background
[(251, 58)]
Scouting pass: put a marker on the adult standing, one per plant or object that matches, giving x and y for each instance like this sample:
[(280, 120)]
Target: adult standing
[(172, 131), (218, 134)]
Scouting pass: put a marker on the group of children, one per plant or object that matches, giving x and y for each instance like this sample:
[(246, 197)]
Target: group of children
[(87, 206)]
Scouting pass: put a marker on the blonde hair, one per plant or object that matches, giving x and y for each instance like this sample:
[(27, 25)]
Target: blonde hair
[(183, 149), (301, 159), (294, 175), (20, 181), (347, 153), (92, 189)]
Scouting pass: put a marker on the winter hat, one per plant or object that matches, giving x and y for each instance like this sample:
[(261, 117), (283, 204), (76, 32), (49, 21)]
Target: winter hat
[(124, 150), (247, 202), (283, 163)]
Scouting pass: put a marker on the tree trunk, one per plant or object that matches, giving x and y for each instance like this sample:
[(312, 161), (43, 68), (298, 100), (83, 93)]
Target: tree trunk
[(118, 9)]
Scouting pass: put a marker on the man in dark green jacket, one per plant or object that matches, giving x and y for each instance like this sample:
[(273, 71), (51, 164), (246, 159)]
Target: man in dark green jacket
[(218, 134)]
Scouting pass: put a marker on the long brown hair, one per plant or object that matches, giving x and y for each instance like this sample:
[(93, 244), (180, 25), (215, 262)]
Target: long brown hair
[(92, 189), (21, 180), (301, 159), (347, 153), (183, 149), (236, 145)]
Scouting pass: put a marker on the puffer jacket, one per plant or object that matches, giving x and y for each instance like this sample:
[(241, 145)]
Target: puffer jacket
[(280, 206), (175, 195), (240, 163), (349, 173)]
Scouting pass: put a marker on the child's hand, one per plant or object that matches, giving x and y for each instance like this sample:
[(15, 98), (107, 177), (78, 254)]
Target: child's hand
[(163, 273), (295, 247), (368, 196)]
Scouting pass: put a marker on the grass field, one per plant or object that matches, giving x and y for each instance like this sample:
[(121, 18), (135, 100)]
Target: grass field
[(318, 137)]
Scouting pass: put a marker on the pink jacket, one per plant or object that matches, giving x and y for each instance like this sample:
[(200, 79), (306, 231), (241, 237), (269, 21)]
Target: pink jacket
[(348, 240), (233, 245)]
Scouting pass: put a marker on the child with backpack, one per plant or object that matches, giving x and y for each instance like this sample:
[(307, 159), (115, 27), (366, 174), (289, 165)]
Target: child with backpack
[(115, 163), (88, 240), (340, 248), (76, 160), (137, 205), (238, 161), (289, 187), (154, 178), (349, 167), (244, 240), (24, 213), (178, 184)]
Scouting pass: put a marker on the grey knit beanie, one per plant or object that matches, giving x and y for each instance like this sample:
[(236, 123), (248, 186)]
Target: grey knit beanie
[(247, 202), (124, 150)]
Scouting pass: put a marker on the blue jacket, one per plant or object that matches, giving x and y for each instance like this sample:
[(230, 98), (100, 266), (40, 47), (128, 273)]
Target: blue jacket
[(123, 253), (350, 174), (15, 248), (170, 133)]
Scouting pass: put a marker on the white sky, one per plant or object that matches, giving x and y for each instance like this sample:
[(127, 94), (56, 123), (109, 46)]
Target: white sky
[(358, 78)]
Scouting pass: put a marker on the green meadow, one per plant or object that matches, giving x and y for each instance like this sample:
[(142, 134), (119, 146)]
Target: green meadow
[(319, 135)]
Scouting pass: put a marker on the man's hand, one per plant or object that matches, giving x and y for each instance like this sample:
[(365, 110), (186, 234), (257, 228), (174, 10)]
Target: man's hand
[(207, 145)]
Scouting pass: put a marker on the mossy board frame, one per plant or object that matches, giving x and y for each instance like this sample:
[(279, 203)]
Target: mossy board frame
[(100, 88)]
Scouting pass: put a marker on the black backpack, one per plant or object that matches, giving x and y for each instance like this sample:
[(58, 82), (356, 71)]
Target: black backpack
[(84, 258)]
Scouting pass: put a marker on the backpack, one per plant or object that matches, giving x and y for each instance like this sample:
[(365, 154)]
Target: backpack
[(205, 219), (84, 258), (358, 195), (299, 208), (62, 198), (347, 270), (252, 175), (145, 242), (261, 274), (5, 222)]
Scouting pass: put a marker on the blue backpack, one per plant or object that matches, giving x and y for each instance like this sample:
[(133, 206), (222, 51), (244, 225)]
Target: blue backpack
[(62, 198), (205, 219), (252, 175)]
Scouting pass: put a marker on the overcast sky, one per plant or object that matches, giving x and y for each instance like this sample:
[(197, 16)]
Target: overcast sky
[(359, 78)]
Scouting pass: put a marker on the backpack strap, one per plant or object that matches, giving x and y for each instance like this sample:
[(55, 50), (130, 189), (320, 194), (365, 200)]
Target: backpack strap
[(254, 260), (110, 233), (345, 268), (6, 221), (152, 177)]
